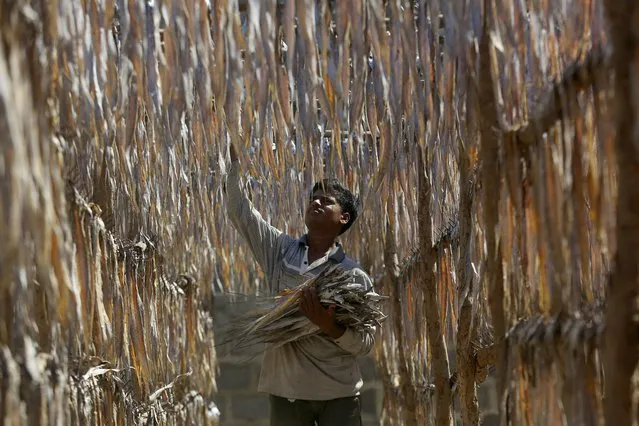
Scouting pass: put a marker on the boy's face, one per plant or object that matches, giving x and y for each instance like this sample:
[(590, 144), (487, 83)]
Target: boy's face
[(325, 213)]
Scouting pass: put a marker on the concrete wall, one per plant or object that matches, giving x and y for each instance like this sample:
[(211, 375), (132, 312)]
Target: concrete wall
[(241, 405)]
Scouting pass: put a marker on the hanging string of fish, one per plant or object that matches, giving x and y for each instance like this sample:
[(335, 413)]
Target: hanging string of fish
[(278, 320)]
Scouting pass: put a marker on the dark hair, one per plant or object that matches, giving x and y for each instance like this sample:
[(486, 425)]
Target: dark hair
[(344, 197)]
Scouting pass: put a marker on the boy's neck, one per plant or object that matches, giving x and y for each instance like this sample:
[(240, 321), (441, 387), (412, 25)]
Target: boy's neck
[(318, 243)]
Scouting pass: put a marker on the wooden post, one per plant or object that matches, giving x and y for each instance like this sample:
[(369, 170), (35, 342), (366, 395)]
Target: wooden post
[(491, 174), (439, 355), (620, 354)]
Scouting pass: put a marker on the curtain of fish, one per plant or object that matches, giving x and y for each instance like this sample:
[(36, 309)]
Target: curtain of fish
[(486, 172), (96, 325)]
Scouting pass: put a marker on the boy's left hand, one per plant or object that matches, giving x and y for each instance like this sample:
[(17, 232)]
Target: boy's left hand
[(324, 318)]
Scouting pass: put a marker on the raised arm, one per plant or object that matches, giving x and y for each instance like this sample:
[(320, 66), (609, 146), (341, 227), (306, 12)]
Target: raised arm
[(265, 241)]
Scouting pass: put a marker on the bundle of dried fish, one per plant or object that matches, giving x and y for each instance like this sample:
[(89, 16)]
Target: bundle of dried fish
[(278, 320)]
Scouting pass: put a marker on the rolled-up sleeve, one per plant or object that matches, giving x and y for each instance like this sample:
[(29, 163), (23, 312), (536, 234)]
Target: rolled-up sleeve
[(355, 341)]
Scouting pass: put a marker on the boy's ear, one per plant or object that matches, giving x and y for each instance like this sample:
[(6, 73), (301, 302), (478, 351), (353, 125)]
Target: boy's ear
[(346, 216)]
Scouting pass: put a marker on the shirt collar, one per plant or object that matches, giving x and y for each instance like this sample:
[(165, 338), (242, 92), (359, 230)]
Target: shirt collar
[(337, 252)]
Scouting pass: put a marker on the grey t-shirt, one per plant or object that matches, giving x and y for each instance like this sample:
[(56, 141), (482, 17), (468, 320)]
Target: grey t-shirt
[(317, 367)]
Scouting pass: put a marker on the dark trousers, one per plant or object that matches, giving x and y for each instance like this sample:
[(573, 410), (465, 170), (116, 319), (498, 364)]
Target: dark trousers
[(334, 412)]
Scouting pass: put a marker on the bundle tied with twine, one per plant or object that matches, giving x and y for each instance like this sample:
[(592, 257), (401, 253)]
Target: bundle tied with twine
[(278, 319)]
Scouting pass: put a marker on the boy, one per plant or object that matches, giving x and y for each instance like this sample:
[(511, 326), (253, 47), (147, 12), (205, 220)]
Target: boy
[(315, 380)]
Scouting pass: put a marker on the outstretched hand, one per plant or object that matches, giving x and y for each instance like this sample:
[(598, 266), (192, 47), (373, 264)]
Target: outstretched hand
[(324, 318)]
